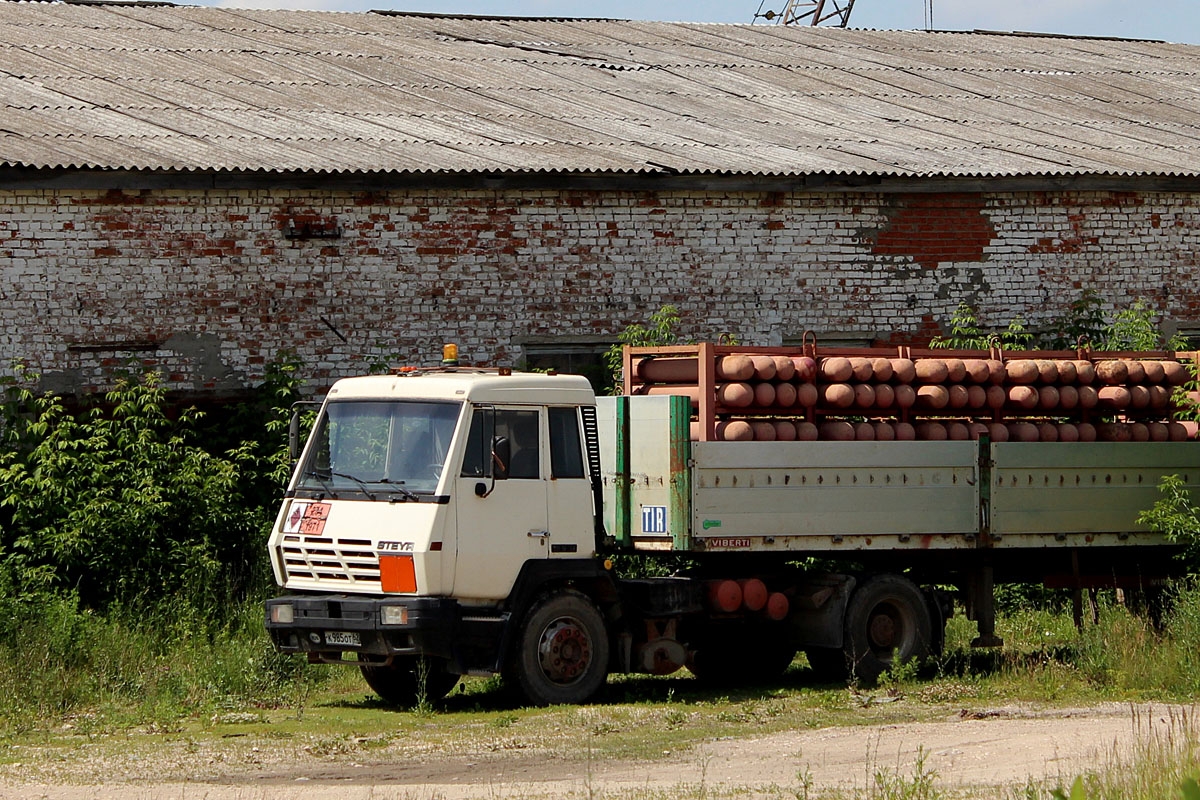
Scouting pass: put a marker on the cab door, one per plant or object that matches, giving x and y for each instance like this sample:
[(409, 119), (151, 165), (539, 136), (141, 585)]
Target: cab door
[(569, 490), (500, 531)]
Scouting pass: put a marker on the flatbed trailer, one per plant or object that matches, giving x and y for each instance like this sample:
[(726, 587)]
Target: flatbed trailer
[(464, 521)]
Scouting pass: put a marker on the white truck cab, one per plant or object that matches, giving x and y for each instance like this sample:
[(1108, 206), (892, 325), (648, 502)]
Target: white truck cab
[(398, 470), (418, 502)]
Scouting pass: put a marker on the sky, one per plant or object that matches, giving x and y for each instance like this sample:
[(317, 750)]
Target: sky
[(1171, 20)]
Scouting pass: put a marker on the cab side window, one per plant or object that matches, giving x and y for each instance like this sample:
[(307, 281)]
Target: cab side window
[(566, 455), (475, 457), (521, 428)]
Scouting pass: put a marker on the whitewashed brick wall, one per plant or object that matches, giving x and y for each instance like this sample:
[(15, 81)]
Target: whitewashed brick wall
[(205, 286)]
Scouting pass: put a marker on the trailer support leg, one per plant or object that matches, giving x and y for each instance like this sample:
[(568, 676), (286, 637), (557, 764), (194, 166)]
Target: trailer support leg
[(1076, 592), (983, 602)]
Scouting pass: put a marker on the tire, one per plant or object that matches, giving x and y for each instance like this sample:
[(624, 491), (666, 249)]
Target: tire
[(561, 651), (937, 622), (887, 622), (402, 684)]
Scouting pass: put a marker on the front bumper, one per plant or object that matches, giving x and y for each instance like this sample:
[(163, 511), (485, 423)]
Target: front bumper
[(434, 626)]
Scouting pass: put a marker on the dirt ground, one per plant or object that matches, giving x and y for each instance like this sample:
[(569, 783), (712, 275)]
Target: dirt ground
[(997, 746)]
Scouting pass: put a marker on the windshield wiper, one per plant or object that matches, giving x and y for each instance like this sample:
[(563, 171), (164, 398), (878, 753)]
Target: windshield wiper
[(361, 485), (328, 489), (407, 494)]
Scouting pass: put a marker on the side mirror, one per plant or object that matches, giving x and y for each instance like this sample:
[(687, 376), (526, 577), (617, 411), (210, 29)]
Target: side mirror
[(294, 443), (501, 456)]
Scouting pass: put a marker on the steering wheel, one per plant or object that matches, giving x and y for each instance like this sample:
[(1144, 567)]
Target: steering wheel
[(435, 469)]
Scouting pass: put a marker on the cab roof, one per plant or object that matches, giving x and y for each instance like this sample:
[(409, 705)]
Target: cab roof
[(474, 385)]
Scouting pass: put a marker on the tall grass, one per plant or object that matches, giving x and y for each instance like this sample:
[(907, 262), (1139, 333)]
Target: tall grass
[(63, 663), (1163, 762), (60, 662), (1123, 656)]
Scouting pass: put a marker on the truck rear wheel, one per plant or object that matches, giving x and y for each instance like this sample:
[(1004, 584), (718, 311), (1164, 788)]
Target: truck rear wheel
[(409, 680), (561, 651), (887, 622)]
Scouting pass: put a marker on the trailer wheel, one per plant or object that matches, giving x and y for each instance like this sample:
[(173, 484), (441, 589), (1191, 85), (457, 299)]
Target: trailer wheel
[(409, 680), (561, 651), (887, 622)]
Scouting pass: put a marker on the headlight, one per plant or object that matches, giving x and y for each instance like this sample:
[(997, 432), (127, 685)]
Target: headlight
[(282, 614), (393, 615)]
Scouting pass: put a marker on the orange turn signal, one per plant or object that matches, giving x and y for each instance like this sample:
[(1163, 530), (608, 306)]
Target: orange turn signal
[(397, 574)]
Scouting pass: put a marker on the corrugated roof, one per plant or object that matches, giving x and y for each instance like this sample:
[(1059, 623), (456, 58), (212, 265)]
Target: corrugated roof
[(191, 88)]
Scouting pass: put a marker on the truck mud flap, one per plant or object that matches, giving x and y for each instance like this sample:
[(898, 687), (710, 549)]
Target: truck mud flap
[(818, 608)]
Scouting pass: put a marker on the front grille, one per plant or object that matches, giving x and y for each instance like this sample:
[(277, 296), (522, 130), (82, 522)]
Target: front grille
[(352, 562)]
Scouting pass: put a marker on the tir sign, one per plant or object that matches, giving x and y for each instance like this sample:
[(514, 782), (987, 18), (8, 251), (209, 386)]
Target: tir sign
[(654, 519)]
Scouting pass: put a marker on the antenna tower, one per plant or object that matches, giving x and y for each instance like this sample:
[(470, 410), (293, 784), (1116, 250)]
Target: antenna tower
[(812, 12)]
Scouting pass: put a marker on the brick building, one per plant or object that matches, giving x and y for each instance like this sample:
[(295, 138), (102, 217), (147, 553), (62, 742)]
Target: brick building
[(198, 189)]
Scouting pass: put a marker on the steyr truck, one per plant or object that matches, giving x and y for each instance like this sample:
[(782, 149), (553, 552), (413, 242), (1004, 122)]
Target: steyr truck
[(456, 520)]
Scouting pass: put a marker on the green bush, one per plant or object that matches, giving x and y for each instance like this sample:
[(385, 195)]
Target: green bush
[(967, 333), (122, 504), (660, 332), (133, 550)]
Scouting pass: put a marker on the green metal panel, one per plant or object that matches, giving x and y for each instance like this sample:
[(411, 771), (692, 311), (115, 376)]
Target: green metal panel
[(680, 502), (623, 513), (983, 462), (1082, 487)]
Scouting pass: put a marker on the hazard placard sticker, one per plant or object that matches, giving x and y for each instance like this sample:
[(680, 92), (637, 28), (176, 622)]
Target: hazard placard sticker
[(306, 517), (291, 523)]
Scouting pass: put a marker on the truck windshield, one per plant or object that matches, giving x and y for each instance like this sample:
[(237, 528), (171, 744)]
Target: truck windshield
[(390, 447)]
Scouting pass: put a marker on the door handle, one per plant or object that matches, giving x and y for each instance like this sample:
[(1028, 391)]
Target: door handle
[(539, 534)]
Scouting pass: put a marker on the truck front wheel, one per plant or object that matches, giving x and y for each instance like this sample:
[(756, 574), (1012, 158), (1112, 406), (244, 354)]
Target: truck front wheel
[(561, 650), (887, 622), (409, 680)]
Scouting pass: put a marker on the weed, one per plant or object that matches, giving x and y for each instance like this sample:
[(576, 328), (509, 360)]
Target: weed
[(734, 715), (804, 784), (920, 784), (424, 706), (327, 746), (900, 675), (603, 727), (373, 742), (675, 717)]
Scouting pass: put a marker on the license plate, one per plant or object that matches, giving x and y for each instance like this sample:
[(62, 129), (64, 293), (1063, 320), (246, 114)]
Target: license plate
[(348, 638)]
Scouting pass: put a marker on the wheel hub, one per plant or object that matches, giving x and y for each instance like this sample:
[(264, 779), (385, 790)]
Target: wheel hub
[(564, 650), (882, 630)]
